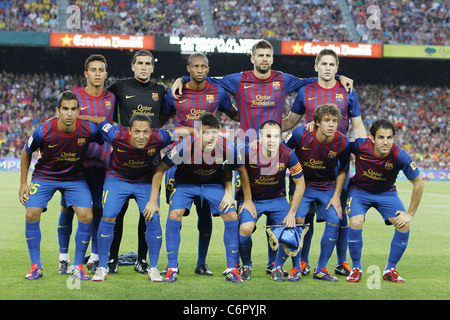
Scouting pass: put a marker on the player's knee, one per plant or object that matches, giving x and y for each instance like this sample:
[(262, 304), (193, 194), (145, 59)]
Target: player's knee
[(176, 214), (246, 229), (33, 214), (357, 222), (229, 216)]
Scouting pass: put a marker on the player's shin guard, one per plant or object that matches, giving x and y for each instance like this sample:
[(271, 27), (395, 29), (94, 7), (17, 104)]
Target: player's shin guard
[(355, 244), (82, 237), (105, 236), (153, 237), (33, 237), (327, 243), (65, 223), (245, 249), (231, 241), (341, 244), (173, 239), (398, 247)]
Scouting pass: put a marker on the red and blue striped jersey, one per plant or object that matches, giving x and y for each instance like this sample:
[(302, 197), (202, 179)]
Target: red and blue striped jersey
[(128, 163), (268, 176), (319, 161), (309, 97), (375, 174), (196, 167), (62, 154), (192, 104), (259, 100), (103, 106)]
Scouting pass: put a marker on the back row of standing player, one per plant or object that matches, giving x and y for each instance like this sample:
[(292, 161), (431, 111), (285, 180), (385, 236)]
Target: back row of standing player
[(260, 96)]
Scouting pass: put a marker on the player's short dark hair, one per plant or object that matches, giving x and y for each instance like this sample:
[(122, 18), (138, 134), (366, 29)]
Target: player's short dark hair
[(140, 117), (195, 55), (66, 95), (327, 52), (381, 124), (261, 44), (324, 109), (95, 57), (209, 120), (143, 53), (270, 123)]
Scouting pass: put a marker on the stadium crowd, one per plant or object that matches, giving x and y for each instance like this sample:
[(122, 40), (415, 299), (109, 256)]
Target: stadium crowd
[(407, 22), (420, 113)]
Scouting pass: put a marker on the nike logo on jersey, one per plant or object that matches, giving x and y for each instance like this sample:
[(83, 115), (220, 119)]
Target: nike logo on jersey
[(363, 158), (128, 97), (82, 108), (121, 150), (303, 148), (246, 87), (52, 146), (312, 98)]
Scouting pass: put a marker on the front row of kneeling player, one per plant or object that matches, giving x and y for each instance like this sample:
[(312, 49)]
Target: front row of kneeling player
[(317, 159)]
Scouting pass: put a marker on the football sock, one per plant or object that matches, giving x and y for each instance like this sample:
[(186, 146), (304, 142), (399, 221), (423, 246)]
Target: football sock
[(65, 223), (142, 240), (327, 243), (204, 226), (271, 254), (281, 257), (308, 237), (105, 237), (245, 249), (296, 261), (231, 241), (173, 239), (398, 246), (355, 244), (33, 237), (95, 223), (341, 244), (153, 236), (82, 237)]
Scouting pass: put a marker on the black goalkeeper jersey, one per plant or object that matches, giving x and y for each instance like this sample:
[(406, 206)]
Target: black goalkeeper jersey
[(135, 97)]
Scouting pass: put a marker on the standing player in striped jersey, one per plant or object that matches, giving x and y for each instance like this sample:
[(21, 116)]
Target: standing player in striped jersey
[(202, 172), (129, 174), (266, 166), (324, 155), (199, 97), (260, 95), (63, 143), (378, 161), (94, 102), (327, 90)]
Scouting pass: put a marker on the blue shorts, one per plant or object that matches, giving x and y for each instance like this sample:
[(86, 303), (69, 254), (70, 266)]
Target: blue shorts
[(276, 209), (184, 194), (116, 192), (75, 193), (319, 198), (387, 203), (96, 189)]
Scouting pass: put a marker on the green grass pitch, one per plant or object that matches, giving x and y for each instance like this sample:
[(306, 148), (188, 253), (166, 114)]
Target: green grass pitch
[(424, 265)]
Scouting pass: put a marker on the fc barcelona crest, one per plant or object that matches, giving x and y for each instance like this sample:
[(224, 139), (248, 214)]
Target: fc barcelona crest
[(332, 154), (276, 85), (339, 97), (155, 96), (209, 98), (81, 142)]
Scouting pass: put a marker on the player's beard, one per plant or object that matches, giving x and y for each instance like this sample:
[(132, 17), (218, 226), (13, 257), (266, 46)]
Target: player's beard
[(261, 70)]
